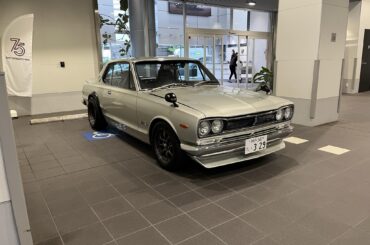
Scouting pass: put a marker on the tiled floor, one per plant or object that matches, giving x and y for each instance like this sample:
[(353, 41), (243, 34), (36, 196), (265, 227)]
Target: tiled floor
[(112, 192)]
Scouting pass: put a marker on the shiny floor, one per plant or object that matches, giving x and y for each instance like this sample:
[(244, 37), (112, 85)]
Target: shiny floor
[(112, 192)]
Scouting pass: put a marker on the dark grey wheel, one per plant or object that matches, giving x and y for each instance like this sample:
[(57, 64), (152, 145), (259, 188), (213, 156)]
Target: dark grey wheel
[(95, 116), (166, 146)]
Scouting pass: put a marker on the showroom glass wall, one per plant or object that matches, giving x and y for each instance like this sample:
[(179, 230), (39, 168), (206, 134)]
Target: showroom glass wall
[(207, 33), (111, 41), (210, 33)]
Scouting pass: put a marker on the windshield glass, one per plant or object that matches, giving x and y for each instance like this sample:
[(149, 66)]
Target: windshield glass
[(158, 74)]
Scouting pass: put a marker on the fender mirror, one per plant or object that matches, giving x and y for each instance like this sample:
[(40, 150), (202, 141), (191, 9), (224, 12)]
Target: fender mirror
[(171, 98)]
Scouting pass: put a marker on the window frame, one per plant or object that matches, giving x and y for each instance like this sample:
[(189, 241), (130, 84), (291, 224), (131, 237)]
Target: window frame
[(131, 75)]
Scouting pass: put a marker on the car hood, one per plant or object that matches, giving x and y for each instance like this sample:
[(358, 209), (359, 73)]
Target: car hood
[(217, 101)]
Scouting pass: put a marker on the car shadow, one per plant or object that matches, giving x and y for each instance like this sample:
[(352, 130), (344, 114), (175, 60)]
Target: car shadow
[(272, 165)]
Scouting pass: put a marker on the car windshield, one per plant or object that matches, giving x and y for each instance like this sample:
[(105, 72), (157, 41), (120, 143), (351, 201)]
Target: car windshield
[(164, 74)]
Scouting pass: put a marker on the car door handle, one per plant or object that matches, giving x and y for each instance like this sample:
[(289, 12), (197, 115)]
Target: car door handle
[(109, 92)]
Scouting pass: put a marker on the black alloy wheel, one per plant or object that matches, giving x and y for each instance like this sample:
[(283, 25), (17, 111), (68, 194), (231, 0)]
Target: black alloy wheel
[(166, 146), (95, 116)]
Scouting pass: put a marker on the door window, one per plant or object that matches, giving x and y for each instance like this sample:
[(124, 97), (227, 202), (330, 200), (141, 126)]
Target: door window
[(107, 79), (120, 76)]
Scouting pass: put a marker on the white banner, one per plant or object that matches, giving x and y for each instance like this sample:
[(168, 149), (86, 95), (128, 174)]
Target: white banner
[(17, 56)]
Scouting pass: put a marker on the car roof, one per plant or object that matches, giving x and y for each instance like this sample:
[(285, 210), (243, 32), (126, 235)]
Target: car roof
[(158, 58)]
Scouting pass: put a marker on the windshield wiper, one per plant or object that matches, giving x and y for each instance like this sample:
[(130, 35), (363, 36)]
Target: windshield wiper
[(168, 85), (203, 82)]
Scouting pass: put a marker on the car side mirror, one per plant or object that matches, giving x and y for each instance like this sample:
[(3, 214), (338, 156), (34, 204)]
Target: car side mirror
[(171, 98)]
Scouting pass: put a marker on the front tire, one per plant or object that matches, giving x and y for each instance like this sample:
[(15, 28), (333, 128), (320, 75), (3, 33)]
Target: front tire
[(166, 146), (95, 115)]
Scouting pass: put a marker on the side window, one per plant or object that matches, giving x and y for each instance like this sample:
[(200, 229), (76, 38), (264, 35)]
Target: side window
[(117, 75), (107, 79), (122, 77)]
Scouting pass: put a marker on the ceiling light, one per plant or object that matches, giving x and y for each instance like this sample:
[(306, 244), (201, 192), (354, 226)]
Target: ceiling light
[(251, 3)]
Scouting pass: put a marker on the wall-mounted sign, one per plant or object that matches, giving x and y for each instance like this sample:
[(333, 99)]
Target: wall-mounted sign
[(190, 9), (17, 56), (334, 37)]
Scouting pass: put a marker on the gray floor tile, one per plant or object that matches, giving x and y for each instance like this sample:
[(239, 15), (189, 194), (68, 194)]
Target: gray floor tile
[(203, 238), (290, 208), (188, 201), (71, 168), (74, 220), (143, 197), (100, 194), (48, 173), (352, 237), (147, 236), (237, 232), (66, 205), (94, 234), (260, 194), (265, 241), (210, 215), (157, 179), (125, 224), (179, 228), (111, 207), (45, 165), (237, 183), (323, 225), (364, 225), (160, 211), (214, 191), (297, 234), (43, 229), (266, 220), (52, 241), (237, 204), (171, 188)]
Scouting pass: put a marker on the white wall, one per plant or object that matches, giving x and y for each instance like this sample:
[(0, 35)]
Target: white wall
[(8, 233), (63, 31), (304, 35)]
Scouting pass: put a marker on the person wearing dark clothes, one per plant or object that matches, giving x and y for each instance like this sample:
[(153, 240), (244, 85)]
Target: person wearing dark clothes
[(233, 60)]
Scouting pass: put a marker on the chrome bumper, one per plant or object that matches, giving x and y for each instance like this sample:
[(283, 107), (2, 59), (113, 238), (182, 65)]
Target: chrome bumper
[(229, 148)]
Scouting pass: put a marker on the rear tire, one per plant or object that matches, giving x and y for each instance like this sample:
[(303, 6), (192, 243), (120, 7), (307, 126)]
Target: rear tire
[(166, 147), (95, 115)]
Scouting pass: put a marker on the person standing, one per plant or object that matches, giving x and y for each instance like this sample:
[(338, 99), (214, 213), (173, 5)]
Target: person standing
[(232, 66)]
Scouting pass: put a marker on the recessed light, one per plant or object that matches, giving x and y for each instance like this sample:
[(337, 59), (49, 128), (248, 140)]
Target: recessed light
[(251, 3)]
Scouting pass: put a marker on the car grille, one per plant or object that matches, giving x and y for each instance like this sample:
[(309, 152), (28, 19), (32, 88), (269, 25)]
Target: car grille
[(250, 120)]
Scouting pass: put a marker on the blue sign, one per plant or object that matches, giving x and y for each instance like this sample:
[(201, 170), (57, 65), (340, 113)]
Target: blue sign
[(98, 135)]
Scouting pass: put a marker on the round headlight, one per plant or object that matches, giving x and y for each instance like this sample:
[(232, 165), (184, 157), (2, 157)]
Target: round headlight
[(204, 128), (288, 112), (217, 126), (279, 115)]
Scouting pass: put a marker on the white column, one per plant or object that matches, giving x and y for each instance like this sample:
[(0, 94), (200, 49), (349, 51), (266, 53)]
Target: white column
[(309, 53)]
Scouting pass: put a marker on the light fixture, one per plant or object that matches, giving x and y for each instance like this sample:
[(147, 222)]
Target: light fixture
[(251, 3)]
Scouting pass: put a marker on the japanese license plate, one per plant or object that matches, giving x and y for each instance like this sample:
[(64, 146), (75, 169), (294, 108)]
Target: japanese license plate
[(255, 144)]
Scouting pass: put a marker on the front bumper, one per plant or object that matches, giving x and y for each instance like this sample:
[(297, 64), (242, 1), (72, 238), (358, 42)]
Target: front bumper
[(229, 148)]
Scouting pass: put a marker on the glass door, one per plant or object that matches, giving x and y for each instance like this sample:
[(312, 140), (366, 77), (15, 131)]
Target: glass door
[(215, 52)]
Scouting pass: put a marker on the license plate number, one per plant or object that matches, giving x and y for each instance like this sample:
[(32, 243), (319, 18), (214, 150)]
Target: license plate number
[(255, 144)]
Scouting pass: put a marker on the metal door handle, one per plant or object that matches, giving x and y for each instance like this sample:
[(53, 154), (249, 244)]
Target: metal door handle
[(364, 63), (109, 92)]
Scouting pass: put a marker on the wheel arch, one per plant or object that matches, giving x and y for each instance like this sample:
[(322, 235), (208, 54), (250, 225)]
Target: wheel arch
[(157, 120)]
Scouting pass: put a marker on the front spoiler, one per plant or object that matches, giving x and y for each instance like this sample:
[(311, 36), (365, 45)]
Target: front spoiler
[(220, 154)]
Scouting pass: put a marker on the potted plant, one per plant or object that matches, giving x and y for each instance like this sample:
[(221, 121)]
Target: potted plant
[(265, 79)]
